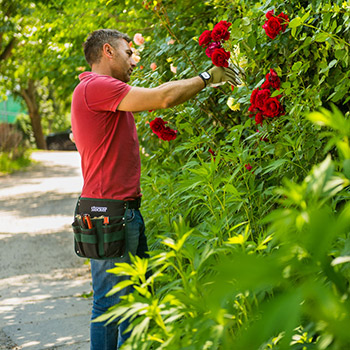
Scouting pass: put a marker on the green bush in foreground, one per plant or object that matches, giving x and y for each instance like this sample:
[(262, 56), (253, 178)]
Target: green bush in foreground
[(215, 284)]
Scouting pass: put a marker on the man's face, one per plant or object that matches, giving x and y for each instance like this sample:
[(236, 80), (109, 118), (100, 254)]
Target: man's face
[(122, 63)]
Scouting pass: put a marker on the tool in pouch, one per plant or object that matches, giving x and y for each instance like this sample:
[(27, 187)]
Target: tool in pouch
[(100, 227)]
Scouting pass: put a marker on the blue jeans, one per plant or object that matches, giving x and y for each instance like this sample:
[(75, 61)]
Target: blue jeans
[(112, 336)]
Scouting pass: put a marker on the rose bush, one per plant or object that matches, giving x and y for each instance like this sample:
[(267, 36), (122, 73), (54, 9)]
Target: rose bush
[(246, 252)]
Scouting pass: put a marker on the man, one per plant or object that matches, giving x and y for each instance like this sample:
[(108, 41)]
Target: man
[(105, 134)]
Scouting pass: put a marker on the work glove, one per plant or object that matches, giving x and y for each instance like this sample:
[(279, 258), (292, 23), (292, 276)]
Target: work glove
[(219, 75)]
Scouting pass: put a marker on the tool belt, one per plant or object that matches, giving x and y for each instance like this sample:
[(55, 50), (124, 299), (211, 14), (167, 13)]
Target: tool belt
[(100, 227)]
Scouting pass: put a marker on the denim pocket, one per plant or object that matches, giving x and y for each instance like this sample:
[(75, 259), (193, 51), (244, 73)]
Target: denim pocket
[(130, 215)]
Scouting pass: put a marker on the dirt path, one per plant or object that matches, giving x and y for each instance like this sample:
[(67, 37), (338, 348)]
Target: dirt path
[(42, 282)]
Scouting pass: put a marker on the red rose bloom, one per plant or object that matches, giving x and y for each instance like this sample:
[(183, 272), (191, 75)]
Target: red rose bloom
[(272, 27), (270, 14), (261, 97), (253, 97), (259, 119), (157, 125), (205, 38), (272, 107), (220, 31), (225, 24), (262, 105), (168, 134), (283, 19), (212, 46), (248, 167), (273, 79), (266, 84), (220, 57)]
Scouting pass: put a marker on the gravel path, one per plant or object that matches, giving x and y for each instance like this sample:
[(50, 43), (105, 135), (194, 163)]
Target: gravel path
[(43, 283)]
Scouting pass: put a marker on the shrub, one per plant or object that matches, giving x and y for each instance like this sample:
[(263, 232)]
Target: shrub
[(247, 217), (13, 151)]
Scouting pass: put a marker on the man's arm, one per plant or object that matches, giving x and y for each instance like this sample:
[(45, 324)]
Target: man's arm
[(175, 92), (166, 95)]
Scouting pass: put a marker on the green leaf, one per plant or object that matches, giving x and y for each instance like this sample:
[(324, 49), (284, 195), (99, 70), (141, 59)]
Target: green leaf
[(346, 167), (274, 165), (276, 93), (121, 285), (321, 37), (332, 63), (296, 66), (295, 22)]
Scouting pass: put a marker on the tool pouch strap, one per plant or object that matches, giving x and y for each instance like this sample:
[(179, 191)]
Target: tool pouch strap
[(105, 235)]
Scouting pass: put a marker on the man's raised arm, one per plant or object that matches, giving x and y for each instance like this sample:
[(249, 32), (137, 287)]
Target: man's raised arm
[(175, 92)]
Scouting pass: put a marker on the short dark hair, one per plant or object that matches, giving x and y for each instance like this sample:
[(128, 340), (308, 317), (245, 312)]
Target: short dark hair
[(95, 41)]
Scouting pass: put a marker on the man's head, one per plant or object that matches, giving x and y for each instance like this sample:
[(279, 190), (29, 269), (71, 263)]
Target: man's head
[(109, 50)]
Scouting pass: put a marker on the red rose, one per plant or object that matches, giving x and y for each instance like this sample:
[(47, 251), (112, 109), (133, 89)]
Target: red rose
[(266, 84), (270, 14), (225, 24), (157, 125), (168, 134), (248, 167), (272, 107), (220, 57), (212, 46), (259, 119), (261, 97), (253, 97), (220, 31), (272, 27), (273, 79), (283, 19), (205, 38), (212, 152)]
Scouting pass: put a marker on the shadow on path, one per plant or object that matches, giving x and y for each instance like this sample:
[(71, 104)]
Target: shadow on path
[(42, 281)]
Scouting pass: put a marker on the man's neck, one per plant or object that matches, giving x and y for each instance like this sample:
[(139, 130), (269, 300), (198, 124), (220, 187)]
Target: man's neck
[(101, 70)]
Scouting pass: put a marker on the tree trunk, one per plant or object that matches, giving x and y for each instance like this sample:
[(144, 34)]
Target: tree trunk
[(29, 95), (8, 49)]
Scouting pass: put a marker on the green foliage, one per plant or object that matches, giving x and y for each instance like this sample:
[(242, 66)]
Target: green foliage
[(278, 279), (9, 163), (259, 258), (14, 154)]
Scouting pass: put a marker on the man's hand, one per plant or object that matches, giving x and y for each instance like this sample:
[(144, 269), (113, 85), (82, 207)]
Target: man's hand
[(232, 75)]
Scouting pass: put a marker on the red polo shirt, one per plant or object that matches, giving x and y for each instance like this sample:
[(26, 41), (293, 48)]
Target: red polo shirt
[(105, 138)]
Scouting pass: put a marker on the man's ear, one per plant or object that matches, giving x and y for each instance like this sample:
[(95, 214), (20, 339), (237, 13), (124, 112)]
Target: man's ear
[(108, 50)]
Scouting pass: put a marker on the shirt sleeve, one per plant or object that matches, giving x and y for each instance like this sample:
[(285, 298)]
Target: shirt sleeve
[(104, 93)]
